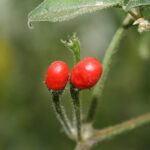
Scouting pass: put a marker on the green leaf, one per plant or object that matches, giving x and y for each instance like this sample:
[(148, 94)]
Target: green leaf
[(146, 12), (60, 10), (137, 3)]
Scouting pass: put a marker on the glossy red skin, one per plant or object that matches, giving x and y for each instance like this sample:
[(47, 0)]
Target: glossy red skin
[(86, 73), (57, 75)]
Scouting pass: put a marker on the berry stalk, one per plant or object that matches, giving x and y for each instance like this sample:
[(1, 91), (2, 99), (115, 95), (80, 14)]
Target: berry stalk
[(76, 106), (60, 113)]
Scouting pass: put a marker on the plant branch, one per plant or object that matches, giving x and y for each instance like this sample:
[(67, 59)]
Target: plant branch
[(123, 127), (107, 133), (112, 49)]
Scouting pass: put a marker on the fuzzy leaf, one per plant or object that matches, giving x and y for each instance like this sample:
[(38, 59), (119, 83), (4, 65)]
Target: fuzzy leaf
[(146, 12), (60, 10), (137, 3)]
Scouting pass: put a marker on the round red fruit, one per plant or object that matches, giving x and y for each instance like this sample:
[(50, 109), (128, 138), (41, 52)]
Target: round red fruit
[(86, 73), (57, 75)]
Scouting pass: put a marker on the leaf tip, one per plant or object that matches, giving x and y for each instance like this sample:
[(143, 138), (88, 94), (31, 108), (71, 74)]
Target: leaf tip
[(30, 26)]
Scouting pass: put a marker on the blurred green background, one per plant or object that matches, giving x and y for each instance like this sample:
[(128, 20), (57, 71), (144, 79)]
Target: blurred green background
[(27, 120)]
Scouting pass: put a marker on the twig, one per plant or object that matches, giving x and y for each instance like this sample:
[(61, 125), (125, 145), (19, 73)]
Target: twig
[(112, 49), (123, 127), (107, 133)]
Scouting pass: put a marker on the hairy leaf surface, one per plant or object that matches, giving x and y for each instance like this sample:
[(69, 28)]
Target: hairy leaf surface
[(60, 10)]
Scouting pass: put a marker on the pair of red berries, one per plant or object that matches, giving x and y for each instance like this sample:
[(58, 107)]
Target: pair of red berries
[(83, 76)]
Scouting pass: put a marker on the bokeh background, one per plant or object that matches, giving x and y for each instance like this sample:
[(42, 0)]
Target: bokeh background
[(27, 120)]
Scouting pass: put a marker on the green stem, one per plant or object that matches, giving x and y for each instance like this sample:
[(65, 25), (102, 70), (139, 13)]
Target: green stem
[(74, 45), (77, 54), (107, 133), (61, 114), (92, 110), (123, 127), (112, 49), (76, 106), (133, 14)]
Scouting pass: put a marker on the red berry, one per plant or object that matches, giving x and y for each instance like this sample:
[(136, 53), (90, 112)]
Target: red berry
[(86, 73), (57, 75)]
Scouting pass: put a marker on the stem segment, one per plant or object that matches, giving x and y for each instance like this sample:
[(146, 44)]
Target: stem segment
[(113, 131), (123, 127), (108, 60), (92, 110), (60, 113), (76, 105), (112, 49)]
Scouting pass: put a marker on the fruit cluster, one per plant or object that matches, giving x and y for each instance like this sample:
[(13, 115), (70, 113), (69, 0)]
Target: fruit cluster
[(83, 76)]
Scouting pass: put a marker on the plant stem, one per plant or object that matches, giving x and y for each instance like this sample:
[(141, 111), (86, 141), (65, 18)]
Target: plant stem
[(123, 127), (113, 131), (92, 109), (61, 113), (133, 14), (112, 49), (76, 106)]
